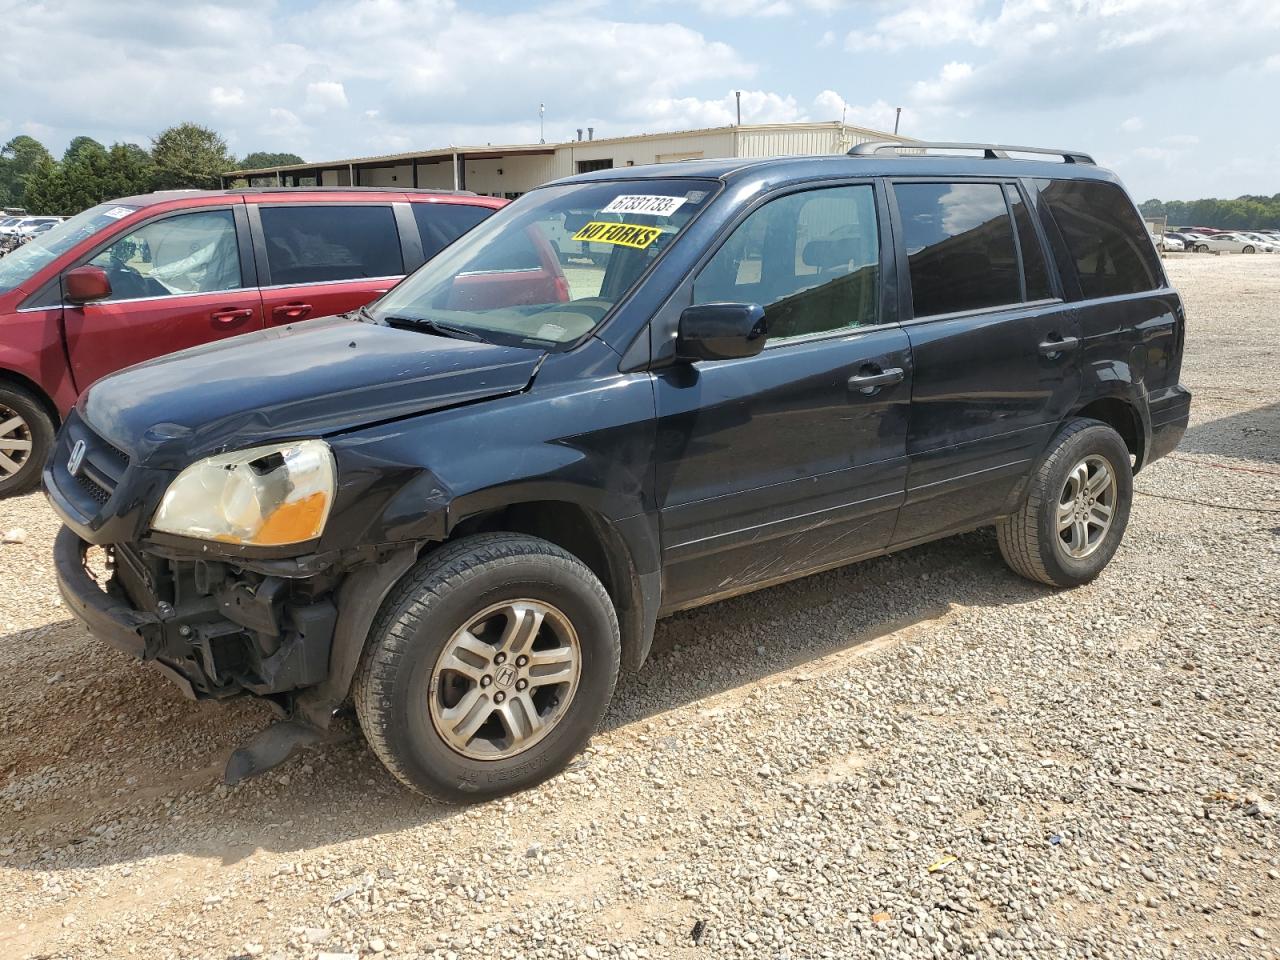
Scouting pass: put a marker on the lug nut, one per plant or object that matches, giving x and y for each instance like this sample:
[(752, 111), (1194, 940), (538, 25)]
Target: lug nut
[(486, 680), (521, 660), (499, 697), (521, 684), (500, 658)]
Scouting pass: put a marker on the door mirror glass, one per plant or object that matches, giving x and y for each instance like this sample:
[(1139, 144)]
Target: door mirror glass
[(86, 284), (721, 331)]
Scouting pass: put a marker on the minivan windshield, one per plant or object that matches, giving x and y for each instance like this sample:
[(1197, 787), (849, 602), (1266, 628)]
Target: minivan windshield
[(51, 244), (547, 268)]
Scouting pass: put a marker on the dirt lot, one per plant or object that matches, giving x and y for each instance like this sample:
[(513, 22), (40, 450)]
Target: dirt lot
[(777, 782)]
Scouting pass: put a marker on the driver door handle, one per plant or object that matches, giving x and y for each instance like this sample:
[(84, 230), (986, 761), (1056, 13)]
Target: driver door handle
[(872, 378), (231, 315), (1054, 346)]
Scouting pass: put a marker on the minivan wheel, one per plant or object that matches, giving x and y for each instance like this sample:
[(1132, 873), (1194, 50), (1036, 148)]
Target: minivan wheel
[(26, 437), (488, 668), (1076, 508)]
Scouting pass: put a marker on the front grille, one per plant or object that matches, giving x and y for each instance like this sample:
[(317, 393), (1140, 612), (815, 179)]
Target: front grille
[(93, 488), (98, 474)]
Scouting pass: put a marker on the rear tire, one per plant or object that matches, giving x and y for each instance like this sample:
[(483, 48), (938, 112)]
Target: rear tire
[(504, 633), (26, 437), (1201, 248), (1076, 508)]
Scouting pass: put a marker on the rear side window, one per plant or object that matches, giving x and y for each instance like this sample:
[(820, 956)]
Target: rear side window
[(323, 243), (1108, 243), (959, 243), (439, 224)]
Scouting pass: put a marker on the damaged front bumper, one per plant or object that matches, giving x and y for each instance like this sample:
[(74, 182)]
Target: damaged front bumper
[(213, 627)]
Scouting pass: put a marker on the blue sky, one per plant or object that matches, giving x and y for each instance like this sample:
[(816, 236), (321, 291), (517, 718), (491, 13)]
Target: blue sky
[(1176, 95)]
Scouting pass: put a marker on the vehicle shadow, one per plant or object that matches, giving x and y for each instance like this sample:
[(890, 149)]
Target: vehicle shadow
[(110, 765), (1247, 435)]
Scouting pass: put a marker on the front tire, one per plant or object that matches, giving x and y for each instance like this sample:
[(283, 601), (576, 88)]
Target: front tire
[(26, 437), (1247, 250), (489, 667), (1076, 508)]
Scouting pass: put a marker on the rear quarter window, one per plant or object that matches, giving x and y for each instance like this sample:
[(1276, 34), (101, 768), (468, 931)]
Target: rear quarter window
[(439, 224), (1105, 239), (315, 244)]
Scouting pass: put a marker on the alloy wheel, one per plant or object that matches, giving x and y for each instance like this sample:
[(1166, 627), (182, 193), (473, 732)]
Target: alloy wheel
[(505, 679), (1086, 506), (15, 442)]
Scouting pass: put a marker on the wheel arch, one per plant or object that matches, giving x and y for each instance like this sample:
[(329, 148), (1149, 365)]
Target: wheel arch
[(591, 537), (1124, 417), (11, 377)]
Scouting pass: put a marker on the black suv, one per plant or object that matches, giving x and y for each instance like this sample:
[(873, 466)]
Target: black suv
[(464, 506)]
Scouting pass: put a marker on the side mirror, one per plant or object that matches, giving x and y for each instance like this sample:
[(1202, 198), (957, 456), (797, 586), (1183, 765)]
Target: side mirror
[(86, 284), (721, 331)]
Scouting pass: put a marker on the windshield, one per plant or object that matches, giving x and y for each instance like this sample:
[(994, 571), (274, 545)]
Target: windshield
[(547, 268), (52, 243)]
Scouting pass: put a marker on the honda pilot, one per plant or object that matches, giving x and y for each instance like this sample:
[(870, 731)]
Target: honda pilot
[(464, 507)]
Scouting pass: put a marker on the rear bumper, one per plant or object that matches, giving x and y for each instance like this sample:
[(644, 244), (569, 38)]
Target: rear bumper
[(1170, 411)]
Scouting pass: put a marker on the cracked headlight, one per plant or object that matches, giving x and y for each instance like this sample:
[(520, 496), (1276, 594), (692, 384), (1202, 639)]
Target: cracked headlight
[(262, 497)]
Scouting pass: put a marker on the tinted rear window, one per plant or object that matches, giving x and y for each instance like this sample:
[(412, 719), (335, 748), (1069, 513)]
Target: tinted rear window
[(321, 243), (439, 224), (1107, 242), (959, 243)]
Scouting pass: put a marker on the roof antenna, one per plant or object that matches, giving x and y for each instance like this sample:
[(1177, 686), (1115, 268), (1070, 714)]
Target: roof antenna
[(896, 117)]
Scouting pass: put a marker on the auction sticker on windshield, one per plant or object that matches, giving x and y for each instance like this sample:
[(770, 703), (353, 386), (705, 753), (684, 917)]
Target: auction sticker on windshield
[(622, 234), (649, 205)]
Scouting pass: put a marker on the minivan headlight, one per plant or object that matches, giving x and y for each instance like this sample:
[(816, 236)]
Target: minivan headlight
[(262, 497)]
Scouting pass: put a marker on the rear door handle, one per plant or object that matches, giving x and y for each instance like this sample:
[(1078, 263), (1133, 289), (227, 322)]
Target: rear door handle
[(1055, 346), (228, 316), (290, 311), (875, 378)]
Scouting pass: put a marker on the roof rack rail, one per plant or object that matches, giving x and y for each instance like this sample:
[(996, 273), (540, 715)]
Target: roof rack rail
[(990, 151), (339, 189)]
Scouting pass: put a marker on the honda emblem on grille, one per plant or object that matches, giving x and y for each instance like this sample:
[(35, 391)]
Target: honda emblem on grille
[(76, 459)]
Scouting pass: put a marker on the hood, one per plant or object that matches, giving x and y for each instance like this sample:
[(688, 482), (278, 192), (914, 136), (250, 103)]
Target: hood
[(313, 379)]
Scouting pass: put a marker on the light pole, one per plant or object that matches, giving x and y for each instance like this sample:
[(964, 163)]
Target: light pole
[(542, 130)]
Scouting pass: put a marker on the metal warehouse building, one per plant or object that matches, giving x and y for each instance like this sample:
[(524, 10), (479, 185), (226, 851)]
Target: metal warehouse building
[(508, 171)]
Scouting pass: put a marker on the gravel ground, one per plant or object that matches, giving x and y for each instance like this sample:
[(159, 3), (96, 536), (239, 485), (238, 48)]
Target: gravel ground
[(789, 777)]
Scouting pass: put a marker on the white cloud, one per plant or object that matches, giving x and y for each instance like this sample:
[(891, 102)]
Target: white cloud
[(226, 97), (827, 39), (1132, 125), (325, 95), (1029, 53)]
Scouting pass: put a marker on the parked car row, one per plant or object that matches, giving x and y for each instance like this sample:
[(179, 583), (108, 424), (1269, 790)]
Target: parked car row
[(1224, 241), (630, 392)]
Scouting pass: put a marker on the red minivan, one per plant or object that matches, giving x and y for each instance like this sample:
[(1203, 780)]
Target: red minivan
[(135, 278)]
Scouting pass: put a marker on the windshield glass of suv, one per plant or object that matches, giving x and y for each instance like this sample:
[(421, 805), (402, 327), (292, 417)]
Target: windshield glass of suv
[(52, 243), (549, 267)]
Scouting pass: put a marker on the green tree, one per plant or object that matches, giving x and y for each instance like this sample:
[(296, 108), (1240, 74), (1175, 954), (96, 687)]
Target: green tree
[(190, 155), (18, 159), (261, 159), (90, 175), (77, 144)]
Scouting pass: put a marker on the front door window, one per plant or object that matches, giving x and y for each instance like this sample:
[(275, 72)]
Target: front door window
[(189, 253)]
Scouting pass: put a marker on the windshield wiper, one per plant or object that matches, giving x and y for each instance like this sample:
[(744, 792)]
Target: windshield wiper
[(438, 327)]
